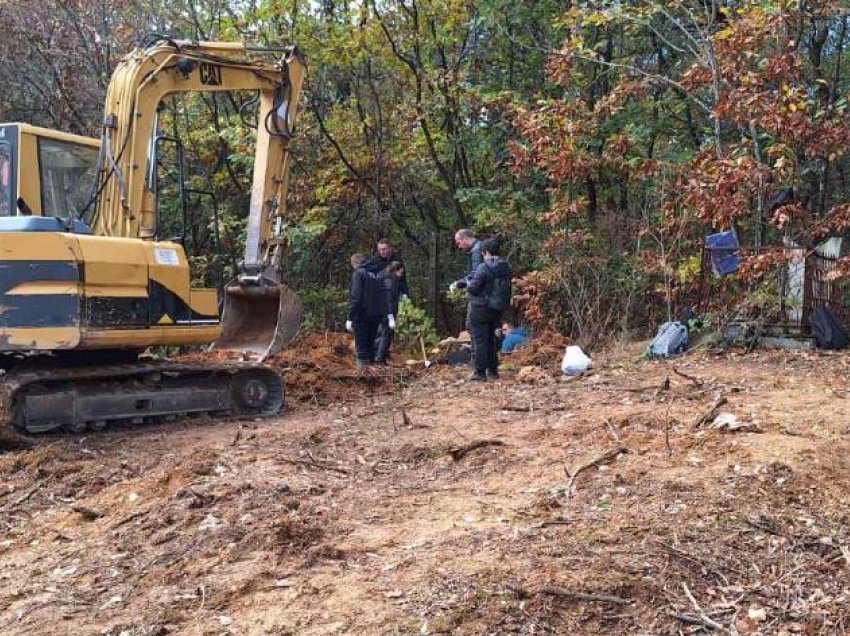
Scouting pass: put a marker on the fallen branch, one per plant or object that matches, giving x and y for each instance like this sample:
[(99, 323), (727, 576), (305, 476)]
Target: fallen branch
[(711, 413), (521, 408), (312, 463), (603, 459), (696, 381), (695, 619), (553, 522), (88, 514), (458, 432), (20, 614), (701, 615), (612, 429), (572, 595), (460, 452), (128, 519), (29, 493), (516, 407)]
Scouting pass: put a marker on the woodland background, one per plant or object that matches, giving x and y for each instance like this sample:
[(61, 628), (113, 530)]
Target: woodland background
[(602, 140)]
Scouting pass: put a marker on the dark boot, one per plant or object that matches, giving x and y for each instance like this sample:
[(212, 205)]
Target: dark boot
[(492, 374), (478, 376)]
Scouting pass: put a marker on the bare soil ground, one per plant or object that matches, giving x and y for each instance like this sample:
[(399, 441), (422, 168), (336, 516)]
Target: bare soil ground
[(448, 507)]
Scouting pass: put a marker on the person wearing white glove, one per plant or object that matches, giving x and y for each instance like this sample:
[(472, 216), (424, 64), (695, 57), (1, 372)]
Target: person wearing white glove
[(393, 277), (368, 306)]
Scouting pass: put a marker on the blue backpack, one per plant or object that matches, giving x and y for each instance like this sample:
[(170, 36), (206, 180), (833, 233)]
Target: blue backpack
[(671, 340)]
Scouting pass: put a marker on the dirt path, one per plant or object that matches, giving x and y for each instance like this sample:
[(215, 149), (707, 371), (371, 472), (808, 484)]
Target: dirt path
[(365, 519)]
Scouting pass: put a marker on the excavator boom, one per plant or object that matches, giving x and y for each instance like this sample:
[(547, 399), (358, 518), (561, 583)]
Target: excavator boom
[(261, 315)]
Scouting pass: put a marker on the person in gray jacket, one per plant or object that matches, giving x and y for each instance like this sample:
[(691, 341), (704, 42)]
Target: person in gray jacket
[(466, 240)]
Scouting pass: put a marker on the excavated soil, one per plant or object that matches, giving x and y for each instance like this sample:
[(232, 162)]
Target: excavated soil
[(604, 504), (318, 370)]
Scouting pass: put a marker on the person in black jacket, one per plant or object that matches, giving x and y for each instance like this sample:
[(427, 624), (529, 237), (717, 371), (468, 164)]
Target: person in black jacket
[(368, 305), (392, 278), (386, 254), (489, 291)]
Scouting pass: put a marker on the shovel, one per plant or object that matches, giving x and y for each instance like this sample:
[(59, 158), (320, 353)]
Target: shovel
[(428, 363)]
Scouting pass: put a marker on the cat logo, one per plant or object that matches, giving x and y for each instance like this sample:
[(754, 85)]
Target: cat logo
[(210, 74)]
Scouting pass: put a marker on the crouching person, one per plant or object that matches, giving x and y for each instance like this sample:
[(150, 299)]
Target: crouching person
[(489, 291), (368, 306)]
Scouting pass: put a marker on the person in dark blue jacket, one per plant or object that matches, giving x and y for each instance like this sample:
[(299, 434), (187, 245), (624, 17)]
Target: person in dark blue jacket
[(368, 305), (489, 292), (392, 278), (513, 337), (386, 254)]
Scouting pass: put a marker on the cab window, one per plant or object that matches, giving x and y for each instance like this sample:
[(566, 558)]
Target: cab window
[(67, 175)]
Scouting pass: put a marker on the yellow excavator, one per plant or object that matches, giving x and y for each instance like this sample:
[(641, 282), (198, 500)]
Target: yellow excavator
[(89, 280)]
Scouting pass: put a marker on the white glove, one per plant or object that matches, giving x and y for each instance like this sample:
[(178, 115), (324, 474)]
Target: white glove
[(453, 287), (349, 326), (391, 321)]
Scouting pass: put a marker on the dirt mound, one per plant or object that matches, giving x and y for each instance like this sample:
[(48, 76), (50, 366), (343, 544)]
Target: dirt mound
[(318, 369), (542, 350)]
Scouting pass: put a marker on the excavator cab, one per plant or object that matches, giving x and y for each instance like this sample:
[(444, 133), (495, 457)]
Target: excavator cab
[(44, 172)]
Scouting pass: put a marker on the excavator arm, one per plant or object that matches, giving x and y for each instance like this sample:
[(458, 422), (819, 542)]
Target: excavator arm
[(260, 314)]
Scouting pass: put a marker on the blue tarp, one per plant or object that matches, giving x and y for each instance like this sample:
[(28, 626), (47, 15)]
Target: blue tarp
[(723, 252)]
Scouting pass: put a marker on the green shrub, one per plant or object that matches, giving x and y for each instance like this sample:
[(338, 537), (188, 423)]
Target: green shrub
[(413, 323), (324, 307)]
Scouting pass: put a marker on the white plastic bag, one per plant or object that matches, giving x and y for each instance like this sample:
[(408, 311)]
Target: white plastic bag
[(575, 361)]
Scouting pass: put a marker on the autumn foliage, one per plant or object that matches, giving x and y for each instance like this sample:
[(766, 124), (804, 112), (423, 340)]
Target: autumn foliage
[(601, 140), (731, 118)]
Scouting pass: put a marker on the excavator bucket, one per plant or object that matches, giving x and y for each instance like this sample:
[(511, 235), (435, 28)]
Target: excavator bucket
[(259, 320)]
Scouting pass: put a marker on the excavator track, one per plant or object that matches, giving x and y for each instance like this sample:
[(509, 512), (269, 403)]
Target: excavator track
[(40, 398)]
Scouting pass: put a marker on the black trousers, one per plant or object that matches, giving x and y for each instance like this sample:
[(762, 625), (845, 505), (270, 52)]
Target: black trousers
[(484, 322), (365, 331), (383, 341)]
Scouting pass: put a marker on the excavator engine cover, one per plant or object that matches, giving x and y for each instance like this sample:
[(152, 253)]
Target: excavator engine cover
[(259, 319)]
